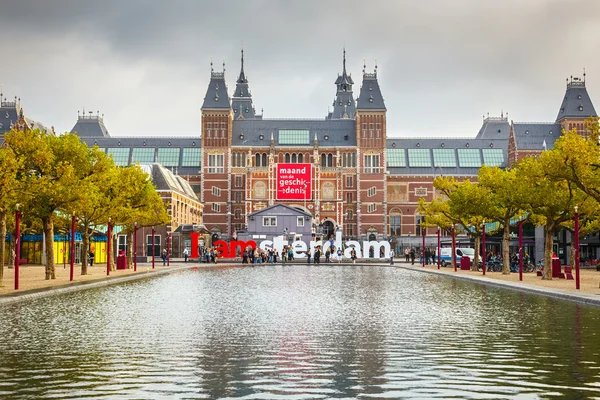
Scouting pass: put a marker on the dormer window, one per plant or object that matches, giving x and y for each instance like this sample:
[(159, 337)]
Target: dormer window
[(580, 107), (579, 96)]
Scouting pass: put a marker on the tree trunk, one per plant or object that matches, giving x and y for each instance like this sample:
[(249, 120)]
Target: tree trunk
[(548, 244), (2, 243), (506, 248), (476, 250), (572, 251), (49, 239), (129, 250), (11, 253), (113, 251), (85, 244)]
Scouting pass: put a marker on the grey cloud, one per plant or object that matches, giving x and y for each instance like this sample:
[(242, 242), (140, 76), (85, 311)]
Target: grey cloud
[(442, 64)]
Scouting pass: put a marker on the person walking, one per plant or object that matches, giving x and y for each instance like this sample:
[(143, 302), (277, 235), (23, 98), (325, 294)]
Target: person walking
[(163, 255), (186, 254), (412, 256), (391, 256)]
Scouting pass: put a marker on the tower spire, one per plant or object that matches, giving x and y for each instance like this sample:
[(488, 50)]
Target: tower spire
[(344, 73)]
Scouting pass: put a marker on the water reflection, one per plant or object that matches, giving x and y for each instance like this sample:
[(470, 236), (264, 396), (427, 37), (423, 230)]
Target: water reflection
[(299, 332)]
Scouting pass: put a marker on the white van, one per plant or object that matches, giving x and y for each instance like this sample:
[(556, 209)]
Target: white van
[(446, 255)]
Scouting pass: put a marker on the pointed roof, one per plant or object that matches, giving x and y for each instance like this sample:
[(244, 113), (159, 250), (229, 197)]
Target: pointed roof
[(344, 106), (577, 102), (216, 95), (242, 77), (242, 98), (370, 97)]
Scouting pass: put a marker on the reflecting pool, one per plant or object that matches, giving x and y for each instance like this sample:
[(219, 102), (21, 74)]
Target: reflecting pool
[(299, 332)]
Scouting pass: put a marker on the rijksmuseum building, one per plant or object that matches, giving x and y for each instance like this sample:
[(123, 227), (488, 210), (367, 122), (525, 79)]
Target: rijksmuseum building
[(363, 179)]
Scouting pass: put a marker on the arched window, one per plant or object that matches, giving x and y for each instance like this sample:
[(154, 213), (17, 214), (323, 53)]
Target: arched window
[(300, 158), (287, 158), (350, 214), (294, 158), (330, 160), (323, 160), (264, 159), (257, 162)]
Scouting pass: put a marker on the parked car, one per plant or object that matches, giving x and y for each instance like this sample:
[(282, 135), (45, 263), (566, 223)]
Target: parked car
[(446, 255)]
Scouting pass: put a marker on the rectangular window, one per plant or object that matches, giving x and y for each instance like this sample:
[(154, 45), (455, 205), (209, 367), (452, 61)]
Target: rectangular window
[(157, 249), (493, 157), (223, 125), (215, 164), (419, 220), (371, 126), (168, 157), (142, 155), (237, 213), (469, 158), (269, 221), (444, 158), (419, 158), (371, 163), (349, 181), (238, 197), (294, 136), (216, 207), (300, 221), (208, 125), (239, 181), (120, 155), (395, 225), (122, 243), (216, 191), (349, 197), (191, 157), (371, 191), (396, 157), (372, 207)]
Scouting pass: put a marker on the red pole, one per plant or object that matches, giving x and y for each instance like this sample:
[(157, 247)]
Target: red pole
[(520, 250), (17, 246), (168, 250), (423, 248), (577, 282), (152, 247), (108, 247), (454, 248), (72, 258), (135, 247), (439, 248), (484, 253)]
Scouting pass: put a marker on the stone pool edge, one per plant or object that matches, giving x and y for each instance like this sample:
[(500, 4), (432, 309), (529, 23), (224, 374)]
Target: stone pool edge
[(520, 287)]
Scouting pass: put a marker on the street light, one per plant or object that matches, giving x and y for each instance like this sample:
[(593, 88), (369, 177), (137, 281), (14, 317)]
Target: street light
[(454, 247), (72, 260), (169, 249), (17, 244), (439, 247), (520, 249), (577, 282), (135, 227), (108, 246), (153, 231)]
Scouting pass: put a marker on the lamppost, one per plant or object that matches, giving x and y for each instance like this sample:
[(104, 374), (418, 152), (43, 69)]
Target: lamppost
[(454, 247), (423, 247), (17, 245), (520, 249), (483, 252), (439, 248), (72, 258), (169, 249), (576, 233), (135, 228), (153, 246), (108, 246)]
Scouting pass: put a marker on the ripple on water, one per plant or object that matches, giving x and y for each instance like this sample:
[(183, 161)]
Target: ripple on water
[(299, 332)]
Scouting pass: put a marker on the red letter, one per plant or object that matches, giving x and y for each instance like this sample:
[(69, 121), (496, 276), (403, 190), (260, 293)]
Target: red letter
[(194, 236)]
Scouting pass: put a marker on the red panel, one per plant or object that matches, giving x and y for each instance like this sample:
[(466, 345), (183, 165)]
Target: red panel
[(294, 181)]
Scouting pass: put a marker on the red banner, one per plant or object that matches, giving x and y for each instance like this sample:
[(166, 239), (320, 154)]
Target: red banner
[(294, 181)]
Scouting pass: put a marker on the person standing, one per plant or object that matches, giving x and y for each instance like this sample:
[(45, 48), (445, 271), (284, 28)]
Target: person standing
[(391, 256), (318, 255), (163, 255), (339, 255), (186, 254), (353, 255), (91, 256), (412, 256), (308, 256)]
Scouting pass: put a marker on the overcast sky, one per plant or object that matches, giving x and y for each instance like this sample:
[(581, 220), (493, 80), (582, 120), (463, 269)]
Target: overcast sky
[(442, 64)]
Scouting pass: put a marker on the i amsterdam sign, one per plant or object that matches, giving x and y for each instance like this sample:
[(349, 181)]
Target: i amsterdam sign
[(229, 250)]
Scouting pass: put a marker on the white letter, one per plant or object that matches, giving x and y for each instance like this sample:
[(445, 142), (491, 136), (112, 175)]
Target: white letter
[(352, 244), (279, 243), (266, 245), (376, 247), (299, 248), (314, 244)]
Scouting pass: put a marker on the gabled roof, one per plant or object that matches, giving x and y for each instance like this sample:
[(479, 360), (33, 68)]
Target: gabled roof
[(370, 97), (577, 102), (90, 126), (165, 180), (279, 209), (533, 136), (216, 95)]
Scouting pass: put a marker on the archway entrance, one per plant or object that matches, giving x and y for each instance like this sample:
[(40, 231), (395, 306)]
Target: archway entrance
[(372, 236), (328, 229)]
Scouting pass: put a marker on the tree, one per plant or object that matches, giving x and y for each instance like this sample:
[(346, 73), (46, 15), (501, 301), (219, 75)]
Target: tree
[(52, 168), (506, 193), (8, 189)]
